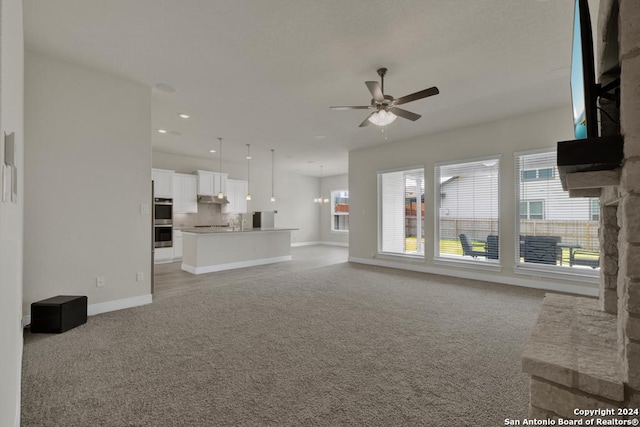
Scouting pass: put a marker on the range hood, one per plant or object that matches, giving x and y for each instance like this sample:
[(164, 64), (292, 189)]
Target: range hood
[(213, 199)]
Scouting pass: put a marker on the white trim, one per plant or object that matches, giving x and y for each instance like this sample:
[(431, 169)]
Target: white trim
[(119, 304), (19, 380), (412, 258), (400, 169), (467, 263), (312, 243), (234, 265), (105, 307), (585, 289), (588, 275), (468, 160)]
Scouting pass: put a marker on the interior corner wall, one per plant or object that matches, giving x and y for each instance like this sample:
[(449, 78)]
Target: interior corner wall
[(87, 175), (539, 130), (11, 222), (294, 193), (329, 184)]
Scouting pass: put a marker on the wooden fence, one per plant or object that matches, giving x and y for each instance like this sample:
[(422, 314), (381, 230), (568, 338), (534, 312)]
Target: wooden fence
[(583, 233)]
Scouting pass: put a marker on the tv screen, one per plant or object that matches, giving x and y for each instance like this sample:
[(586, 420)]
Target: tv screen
[(582, 74)]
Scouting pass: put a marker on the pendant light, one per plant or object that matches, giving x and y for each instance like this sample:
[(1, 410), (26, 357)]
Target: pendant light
[(320, 200), (248, 171), (273, 197), (220, 193)]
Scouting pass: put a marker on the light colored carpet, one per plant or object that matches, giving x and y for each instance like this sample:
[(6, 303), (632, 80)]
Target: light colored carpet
[(340, 345)]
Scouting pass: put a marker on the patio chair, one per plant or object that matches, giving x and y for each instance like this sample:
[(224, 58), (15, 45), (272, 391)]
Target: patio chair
[(467, 247), (541, 249), (588, 262)]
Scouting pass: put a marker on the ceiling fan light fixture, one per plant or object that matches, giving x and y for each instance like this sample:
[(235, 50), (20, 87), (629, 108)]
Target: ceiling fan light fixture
[(382, 118)]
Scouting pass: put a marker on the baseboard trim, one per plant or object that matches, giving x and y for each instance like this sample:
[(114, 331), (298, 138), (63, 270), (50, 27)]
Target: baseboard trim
[(234, 265), (105, 307), (579, 289)]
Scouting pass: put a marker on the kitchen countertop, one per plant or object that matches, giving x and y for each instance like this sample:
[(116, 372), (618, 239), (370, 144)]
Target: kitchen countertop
[(229, 230)]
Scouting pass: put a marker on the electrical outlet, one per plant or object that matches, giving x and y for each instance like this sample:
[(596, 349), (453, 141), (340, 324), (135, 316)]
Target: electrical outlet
[(139, 276), (100, 281)]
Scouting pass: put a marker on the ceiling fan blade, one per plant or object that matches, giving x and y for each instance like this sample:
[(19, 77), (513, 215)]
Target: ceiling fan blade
[(351, 107), (404, 113), (376, 91), (418, 95), (366, 121)]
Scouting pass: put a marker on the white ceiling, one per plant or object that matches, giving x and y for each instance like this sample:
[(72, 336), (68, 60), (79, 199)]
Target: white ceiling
[(265, 72)]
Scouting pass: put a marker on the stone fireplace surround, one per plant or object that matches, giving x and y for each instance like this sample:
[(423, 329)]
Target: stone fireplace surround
[(585, 353)]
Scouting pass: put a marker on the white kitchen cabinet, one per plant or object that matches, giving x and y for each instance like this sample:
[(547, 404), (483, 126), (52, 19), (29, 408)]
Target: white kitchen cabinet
[(236, 193), (185, 197), (209, 183), (163, 183), (177, 244), (162, 255)]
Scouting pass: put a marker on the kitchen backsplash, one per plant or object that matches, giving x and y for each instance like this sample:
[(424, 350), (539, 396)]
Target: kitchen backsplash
[(208, 214)]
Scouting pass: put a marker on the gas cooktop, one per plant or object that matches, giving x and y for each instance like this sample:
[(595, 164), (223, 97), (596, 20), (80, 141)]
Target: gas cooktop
[(210, 226)]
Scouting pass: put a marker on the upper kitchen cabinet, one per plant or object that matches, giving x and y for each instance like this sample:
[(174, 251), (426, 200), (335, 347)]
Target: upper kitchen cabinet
[(236, 193), (210, 183), (185, 197), (162, 183)]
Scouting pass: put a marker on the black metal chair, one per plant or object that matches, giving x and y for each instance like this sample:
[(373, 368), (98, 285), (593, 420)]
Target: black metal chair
[(467, 247), (541, 249), (591, 261)]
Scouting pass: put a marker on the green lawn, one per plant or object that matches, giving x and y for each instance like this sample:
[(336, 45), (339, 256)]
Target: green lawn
[(453, 247)]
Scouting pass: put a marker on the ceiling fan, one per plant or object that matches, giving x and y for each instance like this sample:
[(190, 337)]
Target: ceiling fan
[(385, 106)]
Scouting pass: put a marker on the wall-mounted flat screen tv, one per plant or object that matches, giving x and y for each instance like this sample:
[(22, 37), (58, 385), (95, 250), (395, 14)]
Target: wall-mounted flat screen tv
[(583, 86)]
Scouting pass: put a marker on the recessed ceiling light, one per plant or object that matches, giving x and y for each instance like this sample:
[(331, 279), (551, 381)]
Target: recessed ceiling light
[(212, 151), (183, 115), (162, 131), (165, 87)]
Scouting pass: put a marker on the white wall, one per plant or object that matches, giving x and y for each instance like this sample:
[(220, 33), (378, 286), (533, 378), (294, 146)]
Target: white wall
[(88, 170), (504, 137), (11, 120), (327, 185), (294, 193)]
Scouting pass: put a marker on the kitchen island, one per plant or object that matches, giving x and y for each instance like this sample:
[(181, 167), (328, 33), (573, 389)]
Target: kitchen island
[(210, 249)]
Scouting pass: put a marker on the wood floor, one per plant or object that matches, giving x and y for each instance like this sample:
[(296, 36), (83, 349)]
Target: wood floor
[(170, 279)]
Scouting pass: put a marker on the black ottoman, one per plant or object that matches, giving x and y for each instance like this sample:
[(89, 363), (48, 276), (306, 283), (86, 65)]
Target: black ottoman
[(58, 314)]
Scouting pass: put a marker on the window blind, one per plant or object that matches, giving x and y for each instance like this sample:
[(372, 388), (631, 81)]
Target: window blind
[(468, 205), (402, 211), (553, 229)]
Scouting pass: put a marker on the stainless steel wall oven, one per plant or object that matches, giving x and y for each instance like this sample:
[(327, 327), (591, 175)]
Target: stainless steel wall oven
[(162, 223), (163, 211)]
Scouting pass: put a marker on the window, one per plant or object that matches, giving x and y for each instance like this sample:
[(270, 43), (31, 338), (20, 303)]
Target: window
[(401, 212), (532, 209), (468, 203), (595, 209), (340, 211), (534, 174), (553, 229)]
